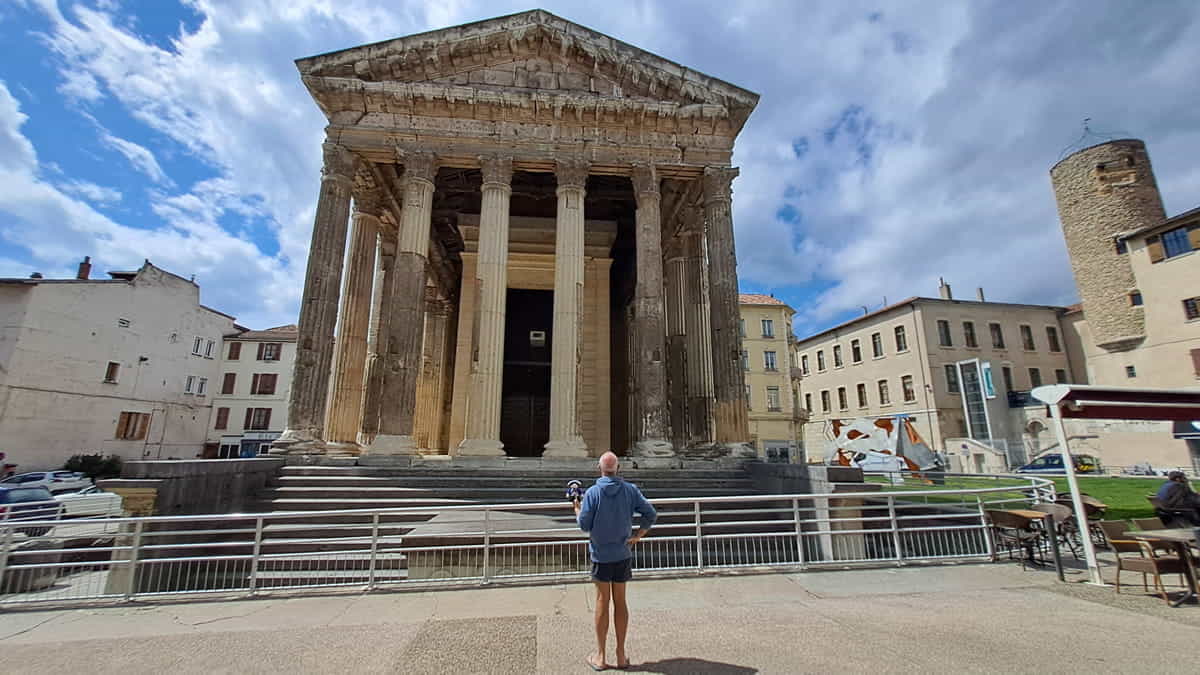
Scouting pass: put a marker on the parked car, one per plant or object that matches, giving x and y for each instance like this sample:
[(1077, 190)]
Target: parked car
[(28, 503), (54, 481), (1053, 463), (91, 501)]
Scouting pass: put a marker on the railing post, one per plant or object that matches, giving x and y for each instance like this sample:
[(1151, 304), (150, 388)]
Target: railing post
[(374, 551), (895, 530), (4, 549), (799, 531), (487, 544), (258, 531), (1052, 532), (135, 549), (986, 529), (699, 540)]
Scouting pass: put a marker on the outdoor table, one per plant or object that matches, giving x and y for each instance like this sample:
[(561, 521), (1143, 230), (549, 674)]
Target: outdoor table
[(1183, 539), (1031, 517)]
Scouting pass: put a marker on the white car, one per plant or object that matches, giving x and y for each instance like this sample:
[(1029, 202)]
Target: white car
[(54, 481), (91, 501)]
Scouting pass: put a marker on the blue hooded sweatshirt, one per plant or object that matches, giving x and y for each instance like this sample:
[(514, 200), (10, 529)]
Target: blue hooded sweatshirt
[(607, 515)]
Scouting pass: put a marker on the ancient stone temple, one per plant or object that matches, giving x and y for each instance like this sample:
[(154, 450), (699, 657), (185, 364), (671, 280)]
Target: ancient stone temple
[(523, 245)]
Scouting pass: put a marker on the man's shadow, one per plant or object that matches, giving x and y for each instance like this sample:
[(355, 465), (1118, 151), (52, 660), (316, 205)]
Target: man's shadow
[(686, 666)]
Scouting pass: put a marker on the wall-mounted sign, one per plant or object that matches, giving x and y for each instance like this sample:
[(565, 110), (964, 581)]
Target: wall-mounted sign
[(989, 390), (537, 338)]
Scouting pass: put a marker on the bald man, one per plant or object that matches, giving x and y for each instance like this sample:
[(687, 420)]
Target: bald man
[(606, 514)]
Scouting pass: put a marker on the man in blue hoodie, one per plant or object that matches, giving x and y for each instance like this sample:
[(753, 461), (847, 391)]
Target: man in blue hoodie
[(606, 514)]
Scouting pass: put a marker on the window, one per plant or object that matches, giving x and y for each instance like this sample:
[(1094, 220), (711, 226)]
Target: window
[(1120, 246), (1035, 378), (825, 401), (969, 334), (1052, 339), (228, 383), (132, 426), (745, 360), (111, 371), (856, 351), (197, 345), (952, 378), (842, 403), (1191, 308), (943, 327), (1175, 242), (808, 402), (1135, 299), (269, 351), (1008, 381), (742, 327), (1027, 338), (901, 340), (884, 399), (235, 351), (773, 399), (820, 360), (906, 386), (123, 323), (1060, 376), (202, 386), (263, 383), (877, 342), (861, 390), (804, 364), (749, 398), (769, 361), (997, 335), (1196, 361), (1130, 371), (768, 328), (257, 419), (837, 356), (209, 348), (222, 419), (189, 385)]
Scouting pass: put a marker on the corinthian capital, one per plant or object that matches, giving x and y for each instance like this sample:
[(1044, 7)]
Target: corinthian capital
[(572, 172), (419, 165), (338, 162), (496, 169), (645, 179), (368, 201), (718, 182)]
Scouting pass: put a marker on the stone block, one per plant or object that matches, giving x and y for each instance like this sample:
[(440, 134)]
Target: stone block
[(574, 81)]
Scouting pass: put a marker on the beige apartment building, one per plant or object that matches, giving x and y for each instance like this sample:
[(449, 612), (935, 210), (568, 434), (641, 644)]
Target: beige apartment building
[(771, 391), (249, 407), (961, 370)]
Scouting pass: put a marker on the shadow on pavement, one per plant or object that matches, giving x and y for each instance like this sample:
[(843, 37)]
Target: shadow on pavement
[(687, 666)]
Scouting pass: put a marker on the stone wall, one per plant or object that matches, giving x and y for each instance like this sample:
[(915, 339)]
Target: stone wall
[(189, 487)]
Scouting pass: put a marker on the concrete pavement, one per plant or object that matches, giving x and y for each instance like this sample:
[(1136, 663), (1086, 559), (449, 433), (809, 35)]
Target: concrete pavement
[(968, 618)]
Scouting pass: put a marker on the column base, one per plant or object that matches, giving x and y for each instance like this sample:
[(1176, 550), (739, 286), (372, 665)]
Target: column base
[(389, 444), (739, 450), (480, 447), (571, 447), (342, 448), (298, 442), (653, 448)]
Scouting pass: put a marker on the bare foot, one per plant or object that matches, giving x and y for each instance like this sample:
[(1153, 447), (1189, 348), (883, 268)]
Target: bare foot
[(596, 661), (622, 661)]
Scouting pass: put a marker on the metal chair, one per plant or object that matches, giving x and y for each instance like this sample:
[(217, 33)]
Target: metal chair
[(1013, 531), (1066, 529), (1147, 561)]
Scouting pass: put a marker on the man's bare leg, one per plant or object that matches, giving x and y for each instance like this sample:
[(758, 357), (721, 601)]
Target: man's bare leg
[(620, 622), (603, 595)]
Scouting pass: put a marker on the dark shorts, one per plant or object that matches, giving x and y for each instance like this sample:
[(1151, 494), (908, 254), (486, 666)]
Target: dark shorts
[(613, 572)]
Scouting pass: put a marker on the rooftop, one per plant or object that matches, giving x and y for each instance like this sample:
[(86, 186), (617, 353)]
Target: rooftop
[(287, 333), (760, 299)]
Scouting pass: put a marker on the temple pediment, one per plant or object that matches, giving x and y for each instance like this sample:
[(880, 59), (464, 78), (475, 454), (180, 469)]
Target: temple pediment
[(518, 61)]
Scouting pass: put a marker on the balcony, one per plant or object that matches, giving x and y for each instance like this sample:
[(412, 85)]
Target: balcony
[(800, 415), (795, 373)]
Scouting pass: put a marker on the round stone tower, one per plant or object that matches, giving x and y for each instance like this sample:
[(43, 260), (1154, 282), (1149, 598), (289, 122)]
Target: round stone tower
[(1102, 192)]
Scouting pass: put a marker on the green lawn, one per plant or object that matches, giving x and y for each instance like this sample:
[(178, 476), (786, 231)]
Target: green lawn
[(1126, 497)]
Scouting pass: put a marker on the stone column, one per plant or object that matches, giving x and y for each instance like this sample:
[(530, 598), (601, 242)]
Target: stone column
[(345, 406), (491, 280), (697, 330), (651, 426), (377, 343), (729, 380), (566, 439), (431, 387), (675, 302), (319, 306), (402, 360)]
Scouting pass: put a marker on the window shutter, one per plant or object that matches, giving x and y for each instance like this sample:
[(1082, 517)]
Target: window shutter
[(261, 345), (1194, 236), (249, 415), (266, 418), (229, 382), (143, 424), (222, 418), (254, 384), (1196, 361), (1155, 248), (235, 351), (268, 383), (122, 422)]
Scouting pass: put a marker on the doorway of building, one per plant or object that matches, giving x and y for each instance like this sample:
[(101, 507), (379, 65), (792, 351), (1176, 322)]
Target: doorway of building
[(525, 395)]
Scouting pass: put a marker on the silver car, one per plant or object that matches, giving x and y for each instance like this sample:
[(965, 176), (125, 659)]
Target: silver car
[(54, 481)]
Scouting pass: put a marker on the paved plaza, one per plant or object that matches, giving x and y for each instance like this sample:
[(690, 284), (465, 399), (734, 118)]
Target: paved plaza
[(968, 618)]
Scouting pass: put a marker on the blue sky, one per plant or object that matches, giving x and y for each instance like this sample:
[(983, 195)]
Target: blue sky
[(895, 143)]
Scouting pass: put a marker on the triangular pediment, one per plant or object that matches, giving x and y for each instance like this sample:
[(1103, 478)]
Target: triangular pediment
[(529, 53)]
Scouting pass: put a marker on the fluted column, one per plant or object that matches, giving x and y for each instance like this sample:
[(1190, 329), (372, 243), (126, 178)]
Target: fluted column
[(319, 306), (345, 406), (697, 331), (566, 439), (377, 344), (729, 380), (402, 360), (431, 388), (675, 302), (651, 427), (483, 414)]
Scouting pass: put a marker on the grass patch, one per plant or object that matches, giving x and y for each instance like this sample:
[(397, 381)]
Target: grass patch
[(1126, 497)]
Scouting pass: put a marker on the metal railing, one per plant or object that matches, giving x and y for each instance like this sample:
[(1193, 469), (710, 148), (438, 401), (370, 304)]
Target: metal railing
[(129, 558)]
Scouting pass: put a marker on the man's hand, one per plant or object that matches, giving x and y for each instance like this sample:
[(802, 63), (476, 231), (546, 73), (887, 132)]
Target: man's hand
[(636, 538)]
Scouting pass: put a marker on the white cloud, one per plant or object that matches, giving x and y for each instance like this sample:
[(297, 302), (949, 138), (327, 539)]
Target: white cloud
[(97, 194), (139, 156)]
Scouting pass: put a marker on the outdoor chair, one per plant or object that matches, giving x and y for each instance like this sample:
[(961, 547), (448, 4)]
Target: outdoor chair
[(1066, 529), (1094, 509), (1153, 524), (1147, 560), (1171, 517), (1014, 532)]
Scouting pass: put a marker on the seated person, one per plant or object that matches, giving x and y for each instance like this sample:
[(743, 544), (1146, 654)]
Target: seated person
[(1177, 496)]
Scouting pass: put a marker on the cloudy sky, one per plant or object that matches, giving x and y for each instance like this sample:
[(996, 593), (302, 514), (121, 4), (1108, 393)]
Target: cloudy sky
[(894, 143)]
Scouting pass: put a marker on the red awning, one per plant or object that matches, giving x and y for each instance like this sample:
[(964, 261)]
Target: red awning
[(1121, 403)]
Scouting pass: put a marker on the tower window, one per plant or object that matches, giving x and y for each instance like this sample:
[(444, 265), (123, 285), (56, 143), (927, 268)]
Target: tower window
[(1130, 371), (1120, 246), (1191, 308), (1135, 298)]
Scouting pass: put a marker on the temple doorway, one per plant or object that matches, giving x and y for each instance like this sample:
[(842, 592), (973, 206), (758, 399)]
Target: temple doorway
[(525, 404)]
